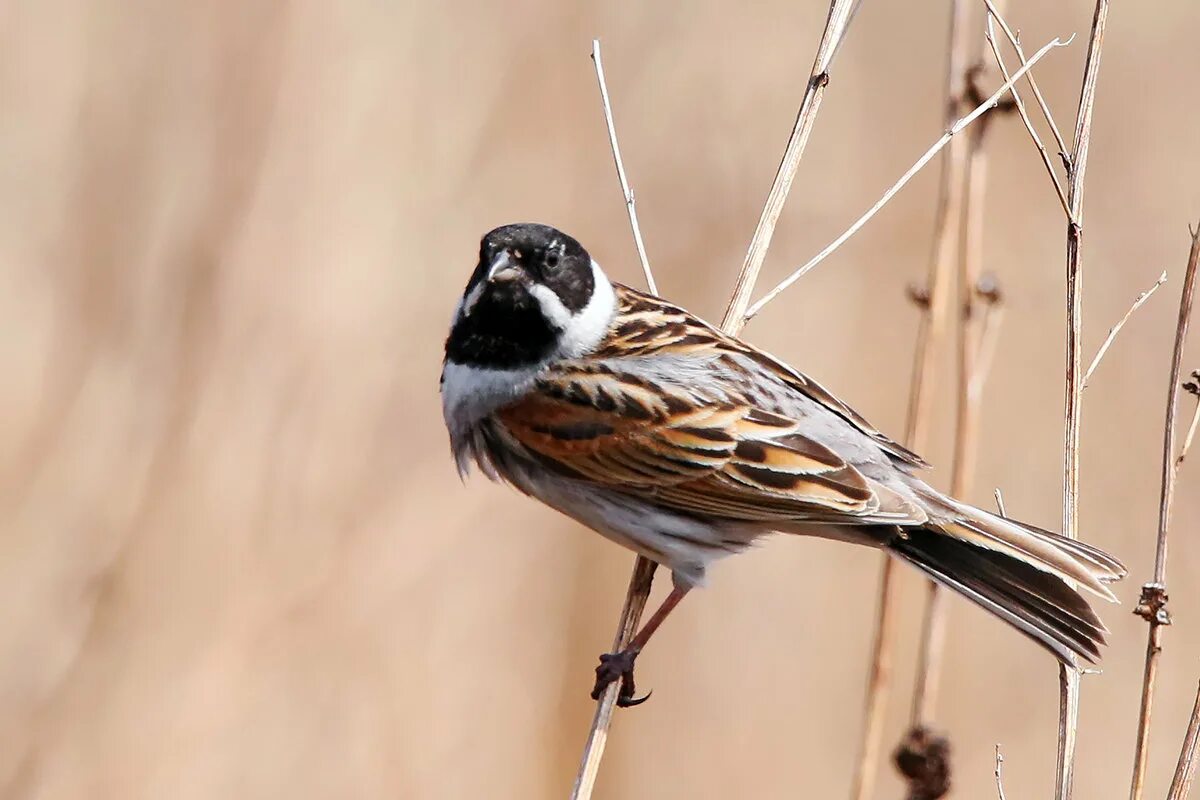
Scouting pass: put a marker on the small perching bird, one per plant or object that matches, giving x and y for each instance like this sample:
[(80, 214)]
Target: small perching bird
[(685, 444)]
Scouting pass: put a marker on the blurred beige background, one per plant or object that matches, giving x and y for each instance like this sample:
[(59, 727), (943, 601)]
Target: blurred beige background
[(235, 560)]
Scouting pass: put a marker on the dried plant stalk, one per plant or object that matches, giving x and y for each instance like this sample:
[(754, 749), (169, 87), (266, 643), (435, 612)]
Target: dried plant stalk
[(1153, 603), (593, 751), (642, 578), (1193, 387), (1015, 41), (835, 29), (970, 379), (993, 14), (1069, 673), (626, 190), (1189, 756), (929, 335), (1115, 329), (996, 772), (643, 571), (920, 164)]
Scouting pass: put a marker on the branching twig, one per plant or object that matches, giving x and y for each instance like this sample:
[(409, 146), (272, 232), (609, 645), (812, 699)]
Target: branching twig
[(1153, 602), (616, 151), (1068, 717), (1115, 329), (993, 14), (1189, 756), (1015, 41), (956, 128), (835, 28)]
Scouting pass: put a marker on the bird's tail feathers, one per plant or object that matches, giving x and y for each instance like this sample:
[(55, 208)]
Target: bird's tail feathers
[(1021, 573)]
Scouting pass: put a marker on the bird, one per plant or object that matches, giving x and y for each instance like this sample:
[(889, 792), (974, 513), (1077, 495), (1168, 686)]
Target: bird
[(685, 444)]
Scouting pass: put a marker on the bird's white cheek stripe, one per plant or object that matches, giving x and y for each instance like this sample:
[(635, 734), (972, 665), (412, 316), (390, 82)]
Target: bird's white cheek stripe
[(467, 304), (552, 308), (586, 329)]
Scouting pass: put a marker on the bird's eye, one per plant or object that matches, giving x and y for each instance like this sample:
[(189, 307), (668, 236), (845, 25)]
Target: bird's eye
[(552, 260)]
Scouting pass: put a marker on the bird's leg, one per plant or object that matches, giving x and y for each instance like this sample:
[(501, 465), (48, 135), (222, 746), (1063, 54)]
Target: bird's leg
[(614, 666)]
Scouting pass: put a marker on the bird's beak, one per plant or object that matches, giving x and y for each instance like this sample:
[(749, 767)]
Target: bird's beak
[(503, 268)]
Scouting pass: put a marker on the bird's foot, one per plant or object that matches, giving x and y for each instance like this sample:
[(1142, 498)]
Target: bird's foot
[(618, 666)]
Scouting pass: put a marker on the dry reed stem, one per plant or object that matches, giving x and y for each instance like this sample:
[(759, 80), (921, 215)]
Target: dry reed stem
[(994, 14), (1115, 329), (988, 338), (1069, 673), (643, 571), (1189, 756), (1152, 604), (1193, 388), (626, 191), (642, 578), (593, 751), (1015, 41), (976, 347), (879, 680), (996, 772), (925, 158), (973, 362), (929, 335), (835, 28)]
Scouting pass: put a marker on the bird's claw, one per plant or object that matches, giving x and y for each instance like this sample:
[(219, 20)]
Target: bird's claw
[(618, 666)]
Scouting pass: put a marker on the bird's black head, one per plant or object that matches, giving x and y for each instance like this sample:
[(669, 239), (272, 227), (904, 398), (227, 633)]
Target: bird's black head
[(531, 292)]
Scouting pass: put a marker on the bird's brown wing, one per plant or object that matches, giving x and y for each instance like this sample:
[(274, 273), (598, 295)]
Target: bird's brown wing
[(591, 421), (647, 325)]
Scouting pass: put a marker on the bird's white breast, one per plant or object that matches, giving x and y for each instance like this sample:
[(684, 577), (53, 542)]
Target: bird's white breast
[(470, 393)]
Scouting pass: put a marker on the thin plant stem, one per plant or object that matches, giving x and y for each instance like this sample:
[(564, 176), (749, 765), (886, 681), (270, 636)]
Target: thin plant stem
[(973, 362), (1069, 672), (993, 14), (1115, 329), (818, 79), (642, 578), (925, 158), (635, 603), (1152, 606), (626, 190), (1191, 431), (1015, 41), (996, 772), (1189, 756), (879, 681)]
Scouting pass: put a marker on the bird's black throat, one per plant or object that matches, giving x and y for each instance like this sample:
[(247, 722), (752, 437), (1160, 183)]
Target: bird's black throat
[(506, 329)]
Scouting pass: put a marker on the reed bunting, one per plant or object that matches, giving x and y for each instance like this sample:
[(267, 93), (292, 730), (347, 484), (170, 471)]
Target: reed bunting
[(684, 444)]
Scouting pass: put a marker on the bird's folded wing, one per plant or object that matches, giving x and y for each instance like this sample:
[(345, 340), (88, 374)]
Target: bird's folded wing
[(649, 325), (696, 455)]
